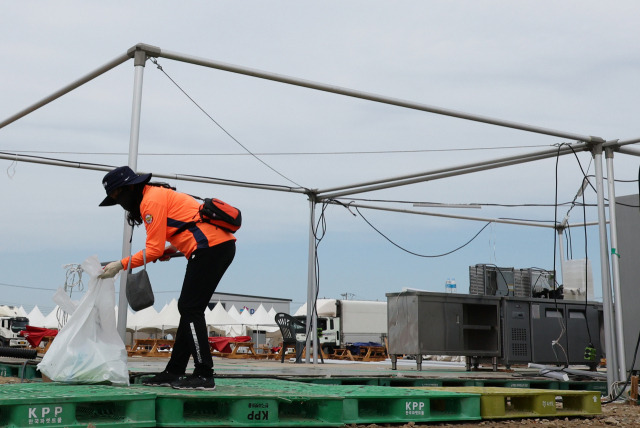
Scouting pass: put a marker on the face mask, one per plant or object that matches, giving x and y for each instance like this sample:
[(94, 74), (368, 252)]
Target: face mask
[(128, 200)]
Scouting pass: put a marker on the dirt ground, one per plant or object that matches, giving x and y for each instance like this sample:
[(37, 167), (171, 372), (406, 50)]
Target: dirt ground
[(9, 380)]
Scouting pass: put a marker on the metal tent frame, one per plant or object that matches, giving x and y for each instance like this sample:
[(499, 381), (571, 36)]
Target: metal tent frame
[(596, 145)]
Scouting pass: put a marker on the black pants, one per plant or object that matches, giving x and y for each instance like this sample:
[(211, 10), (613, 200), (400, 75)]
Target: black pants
[(204, 271)]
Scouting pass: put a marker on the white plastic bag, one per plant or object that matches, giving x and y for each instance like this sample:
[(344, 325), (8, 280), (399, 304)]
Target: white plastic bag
[(88, 348)]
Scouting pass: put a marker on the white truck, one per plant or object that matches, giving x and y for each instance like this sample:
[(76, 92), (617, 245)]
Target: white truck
[(11, 323), (342, 322)]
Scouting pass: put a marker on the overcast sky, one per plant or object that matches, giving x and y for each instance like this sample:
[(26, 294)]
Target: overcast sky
[(571, 66)]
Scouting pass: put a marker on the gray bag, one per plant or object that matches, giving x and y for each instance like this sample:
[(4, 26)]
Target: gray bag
[(139, 292)]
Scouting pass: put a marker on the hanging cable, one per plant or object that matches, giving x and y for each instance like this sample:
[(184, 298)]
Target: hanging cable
[(586, 270), (416, 254), (560, 314), (155, 61), (635, 352), (569, 241), (321, 225)]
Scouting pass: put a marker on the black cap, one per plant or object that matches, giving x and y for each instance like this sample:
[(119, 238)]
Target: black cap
[(121, 176)]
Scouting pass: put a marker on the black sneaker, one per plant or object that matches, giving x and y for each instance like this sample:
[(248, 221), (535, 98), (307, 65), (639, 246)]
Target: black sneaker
[(161, 379), (195, 382)]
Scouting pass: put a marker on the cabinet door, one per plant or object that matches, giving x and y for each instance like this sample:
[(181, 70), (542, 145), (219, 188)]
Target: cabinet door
[(440, 327), (581, 333), (548, 324), (454, 319)]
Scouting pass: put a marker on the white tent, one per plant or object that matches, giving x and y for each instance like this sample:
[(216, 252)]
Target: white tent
[(144, 320), (272, 312), (233, 311), (168, 318), (36, 318), (22, 312), (166, 305), (261, 320), (245, 314), (51, 320), (245, 318), (220, 319)]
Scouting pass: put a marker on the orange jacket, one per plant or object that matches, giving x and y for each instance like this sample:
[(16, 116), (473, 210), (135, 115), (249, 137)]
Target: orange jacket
[(163, 212)]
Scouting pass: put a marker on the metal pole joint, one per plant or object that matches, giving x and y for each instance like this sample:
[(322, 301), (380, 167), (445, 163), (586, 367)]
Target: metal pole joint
[(595, 148), (148, 50), (312, 194)]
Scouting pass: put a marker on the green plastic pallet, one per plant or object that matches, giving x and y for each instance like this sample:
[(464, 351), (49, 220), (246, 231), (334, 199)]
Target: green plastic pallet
[(600, 386), (245, 402), (457, 382), (370, 404), (379, 404), (270, 402), (58, 405), (16, 370), (509, 403)]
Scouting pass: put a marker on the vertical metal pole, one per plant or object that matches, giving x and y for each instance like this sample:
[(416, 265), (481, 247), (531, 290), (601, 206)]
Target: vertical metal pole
[(609, 331), (615, 265), (139, 60), (312, 319)]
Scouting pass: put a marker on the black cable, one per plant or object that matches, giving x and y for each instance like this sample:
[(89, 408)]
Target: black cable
[(555, 243), (591, 185), (416, 254), (586, 270), (569, 243), (321, 224), (635, 352), (586, 244), (633, 363)]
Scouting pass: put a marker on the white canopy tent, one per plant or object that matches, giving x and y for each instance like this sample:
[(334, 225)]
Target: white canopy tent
[(596, 145), (36, 317), (221, 320), (261, 320), (22, 312), (145, 320), (168, 318), (51, 320)]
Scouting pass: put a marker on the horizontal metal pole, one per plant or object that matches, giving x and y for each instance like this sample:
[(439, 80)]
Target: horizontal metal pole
[(432, 214), (448, 172), (461, 217), (179, 177), (369, 96), (70, 87), (553, 152), (629, 151), (620, 143), (193, 178)]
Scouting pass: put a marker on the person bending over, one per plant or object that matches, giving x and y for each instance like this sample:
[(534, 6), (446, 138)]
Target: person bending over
[(209, 250)]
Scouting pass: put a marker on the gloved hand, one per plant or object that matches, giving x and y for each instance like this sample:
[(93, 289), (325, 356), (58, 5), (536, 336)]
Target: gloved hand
[(111, 270)]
